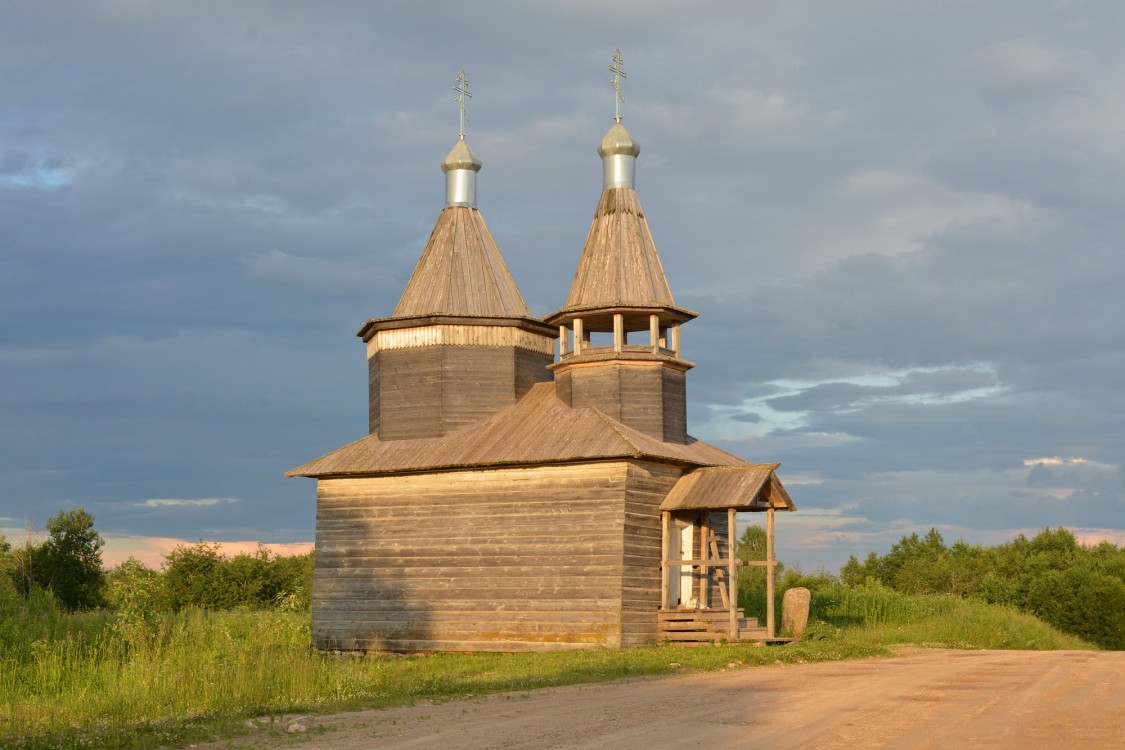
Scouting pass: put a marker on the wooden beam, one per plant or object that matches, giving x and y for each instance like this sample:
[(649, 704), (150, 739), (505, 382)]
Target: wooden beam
[(578, 335), (563, 336), (676, 340), (704, 570), (665, 522), (771, 626), (722, 584), (618, 331), (699, 563), (732, 575), (654, 333)]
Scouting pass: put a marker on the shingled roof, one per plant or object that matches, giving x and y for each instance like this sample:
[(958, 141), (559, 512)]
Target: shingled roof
[(461, 272), (539, 429), (747, 487), (619, 265)]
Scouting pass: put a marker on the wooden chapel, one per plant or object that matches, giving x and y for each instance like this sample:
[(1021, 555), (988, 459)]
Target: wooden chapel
[(530, 484)]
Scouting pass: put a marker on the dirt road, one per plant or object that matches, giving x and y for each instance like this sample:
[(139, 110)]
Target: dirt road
[(922, 699)]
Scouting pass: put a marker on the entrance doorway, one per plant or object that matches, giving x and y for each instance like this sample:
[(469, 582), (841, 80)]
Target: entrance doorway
[(680, 577)]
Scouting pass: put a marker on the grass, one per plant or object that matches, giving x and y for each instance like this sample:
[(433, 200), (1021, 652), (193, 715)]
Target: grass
[(874, 613), (103, 680)]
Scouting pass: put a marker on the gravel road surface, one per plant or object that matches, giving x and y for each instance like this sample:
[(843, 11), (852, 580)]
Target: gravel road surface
[(925, 698)]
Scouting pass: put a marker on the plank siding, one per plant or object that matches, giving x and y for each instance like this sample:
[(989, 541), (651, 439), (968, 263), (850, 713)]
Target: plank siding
[(534, 559), (648, 396), (508, 559), (641, 398), (431, 391), (531, 368), (674, 393), (647, 486), (409, 397)]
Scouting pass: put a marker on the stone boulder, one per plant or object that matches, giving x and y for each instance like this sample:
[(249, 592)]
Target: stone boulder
[(795, 611)]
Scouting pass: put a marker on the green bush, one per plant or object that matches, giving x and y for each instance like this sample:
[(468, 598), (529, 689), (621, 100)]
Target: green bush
[(201, 576), (1079, 589)]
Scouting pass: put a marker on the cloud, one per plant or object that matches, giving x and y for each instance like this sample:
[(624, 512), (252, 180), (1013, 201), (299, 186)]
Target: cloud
[(928, 386), (19, 169), (203, 501), (320, 274), (1023, 65), (902, 234)]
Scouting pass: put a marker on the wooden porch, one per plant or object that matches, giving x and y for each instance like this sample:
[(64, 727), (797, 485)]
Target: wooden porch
[(699, 562)]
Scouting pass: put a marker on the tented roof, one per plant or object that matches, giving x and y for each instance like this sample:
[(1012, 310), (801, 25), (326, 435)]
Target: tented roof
[(461, 272), (619, 265)]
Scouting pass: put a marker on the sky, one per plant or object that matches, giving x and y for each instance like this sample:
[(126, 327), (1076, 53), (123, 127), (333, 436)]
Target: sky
[(901, 223)]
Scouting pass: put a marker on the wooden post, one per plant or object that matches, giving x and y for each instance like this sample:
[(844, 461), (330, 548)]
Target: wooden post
[(665, 523), (732, 575), (654, 333), (618, 331), (770, 625), (563, 333), (578, 335), (704, 570), (676, 340)]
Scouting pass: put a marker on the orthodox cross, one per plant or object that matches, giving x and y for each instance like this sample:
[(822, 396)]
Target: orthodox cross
[(461, 86), (618, 74)]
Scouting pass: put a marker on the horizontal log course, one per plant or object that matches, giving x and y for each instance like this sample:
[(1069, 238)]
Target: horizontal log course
[(626, 573), (482, 559), (427, 645), (474, 577), (393, 559), (476, 606), (447, 623), (511, 514)]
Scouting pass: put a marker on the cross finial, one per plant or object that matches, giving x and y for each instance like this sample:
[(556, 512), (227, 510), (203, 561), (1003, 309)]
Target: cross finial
[(461, 86), (618, 74)]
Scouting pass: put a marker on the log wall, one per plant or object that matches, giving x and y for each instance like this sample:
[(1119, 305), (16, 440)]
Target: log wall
[(538, 558), (647, 396), (647, 486), (431, 391)]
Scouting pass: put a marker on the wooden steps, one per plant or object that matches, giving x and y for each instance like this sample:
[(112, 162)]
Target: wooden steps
[(694, 626)]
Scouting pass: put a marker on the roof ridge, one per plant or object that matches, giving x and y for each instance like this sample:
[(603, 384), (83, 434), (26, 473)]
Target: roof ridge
[(615, 426), (771, 464)]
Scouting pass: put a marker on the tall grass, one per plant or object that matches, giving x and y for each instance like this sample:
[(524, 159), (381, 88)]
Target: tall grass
[(93, 679), (137, 680), (115, 673)]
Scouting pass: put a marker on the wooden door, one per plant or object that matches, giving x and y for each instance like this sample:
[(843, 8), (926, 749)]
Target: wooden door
[(680, 577)]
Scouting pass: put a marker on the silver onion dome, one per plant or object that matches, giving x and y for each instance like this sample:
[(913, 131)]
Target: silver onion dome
[(461, 166), (619, 153)]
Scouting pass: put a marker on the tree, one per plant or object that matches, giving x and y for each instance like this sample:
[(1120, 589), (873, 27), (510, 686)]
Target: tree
[(69, 563), (133, 588), (8, 572), (201, 576), (918, 565), (195, 577), (1078, 589)]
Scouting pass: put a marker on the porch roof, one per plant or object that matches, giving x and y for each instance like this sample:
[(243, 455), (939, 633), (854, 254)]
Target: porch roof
[(749, 487)]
